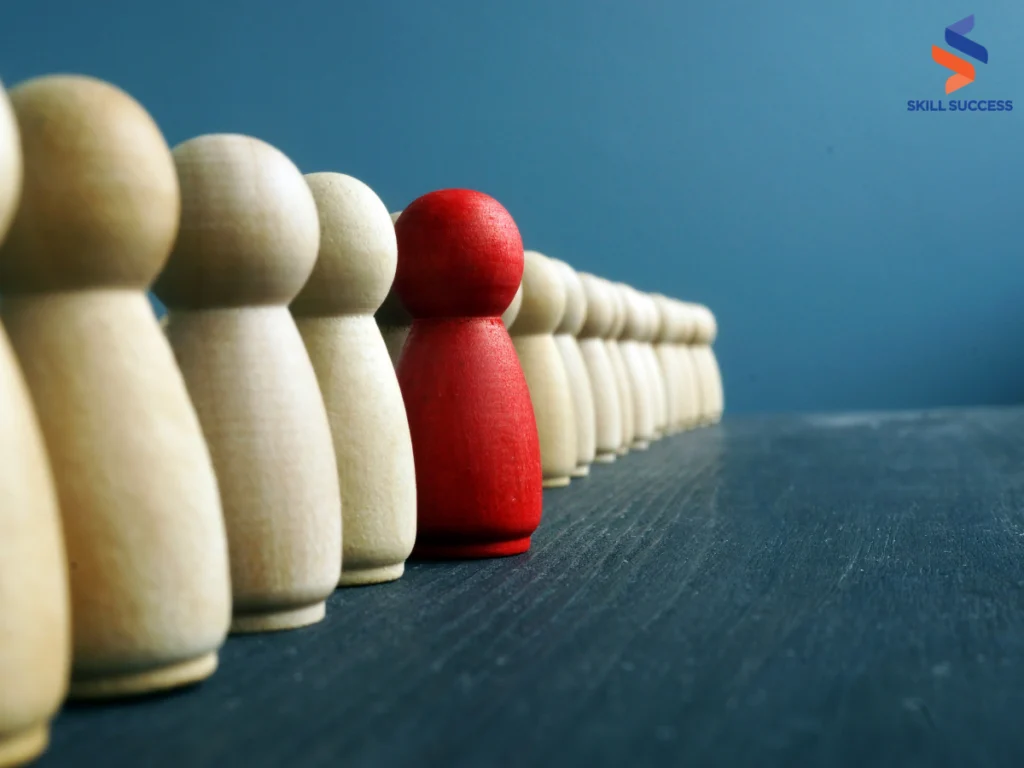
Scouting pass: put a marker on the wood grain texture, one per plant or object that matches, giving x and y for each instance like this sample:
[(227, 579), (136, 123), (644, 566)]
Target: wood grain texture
[(830, 591)]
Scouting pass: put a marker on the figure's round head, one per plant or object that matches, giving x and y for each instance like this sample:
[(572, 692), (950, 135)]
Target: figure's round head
[(575, 300), (711, 324), (668, 328), (688, 320), (358, 251), (10, 164), (618, 306), (249, 226), (600, 312), (636, 320), (543, 297), (652, 320), (459, 255), (99, 198)]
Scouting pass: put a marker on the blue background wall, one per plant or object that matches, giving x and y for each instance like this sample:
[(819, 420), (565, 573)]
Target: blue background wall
[(755, 156)]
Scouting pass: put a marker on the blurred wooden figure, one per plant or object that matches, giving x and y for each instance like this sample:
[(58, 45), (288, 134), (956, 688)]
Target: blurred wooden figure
[(689, 385), (622, 379), (35, 629), (533, 335), (139, 501), (707, 365), (668, 362), (575, 368), (637, 371), (655, 377), (603, 385)]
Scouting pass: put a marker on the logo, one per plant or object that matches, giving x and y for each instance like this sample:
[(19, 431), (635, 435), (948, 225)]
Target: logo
[(963, 75), (963, 70)]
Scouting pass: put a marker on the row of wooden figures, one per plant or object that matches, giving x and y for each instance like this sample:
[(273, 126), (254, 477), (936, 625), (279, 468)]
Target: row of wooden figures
[(158, 492), (630, 367)]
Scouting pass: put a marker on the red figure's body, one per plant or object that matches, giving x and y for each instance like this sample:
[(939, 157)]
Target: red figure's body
[(474, 436)]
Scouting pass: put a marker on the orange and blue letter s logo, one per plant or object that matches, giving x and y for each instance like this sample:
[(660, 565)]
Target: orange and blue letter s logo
[(963, 70)]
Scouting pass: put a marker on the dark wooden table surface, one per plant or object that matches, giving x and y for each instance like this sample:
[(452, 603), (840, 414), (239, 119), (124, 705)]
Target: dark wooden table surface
[(775, 591)]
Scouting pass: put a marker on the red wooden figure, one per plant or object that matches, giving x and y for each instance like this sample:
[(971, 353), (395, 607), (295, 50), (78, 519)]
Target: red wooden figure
[(474, 436)]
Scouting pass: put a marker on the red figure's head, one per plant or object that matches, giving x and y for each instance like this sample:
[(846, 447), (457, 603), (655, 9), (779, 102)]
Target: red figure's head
[(459, 255)]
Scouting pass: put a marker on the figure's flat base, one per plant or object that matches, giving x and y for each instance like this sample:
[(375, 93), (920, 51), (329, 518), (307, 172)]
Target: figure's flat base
[(379, 575), (280, 620), (605, 458), (581, 471), (149, 681), (439, 551), (556, 482), (640, 445), (24, 746)]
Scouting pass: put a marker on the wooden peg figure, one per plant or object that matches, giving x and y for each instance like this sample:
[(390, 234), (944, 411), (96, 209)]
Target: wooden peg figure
[(248, 242), (614, 341), (655, 376), (474, 435), (636, 368), (533, 334), (576, 369), (138, 497), (35, 615), (334, 313), (668, 363), (690, 389), (596, 326)]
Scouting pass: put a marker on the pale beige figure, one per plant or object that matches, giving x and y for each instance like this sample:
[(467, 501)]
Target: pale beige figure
[(533, 335), (509, 315), (690, 394), (707, 365), (334, 313), (668, 363), (143, 529), (594, 349), (655, 378), (640, 385), (393, 320), (575, 367), (622, 382), (248, 242), (35, 612)]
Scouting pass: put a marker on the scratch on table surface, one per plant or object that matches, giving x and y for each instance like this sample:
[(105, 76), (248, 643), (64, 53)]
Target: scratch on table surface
[(849, 566)]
